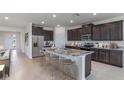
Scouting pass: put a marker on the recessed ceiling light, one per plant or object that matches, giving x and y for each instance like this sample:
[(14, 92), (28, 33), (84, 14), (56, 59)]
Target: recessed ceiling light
[(94, 13), (42, 22), (58, 25), (71, 21), (6, 18), (54, 16)]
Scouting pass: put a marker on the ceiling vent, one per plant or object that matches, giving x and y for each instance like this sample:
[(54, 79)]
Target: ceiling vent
[(76, 14)]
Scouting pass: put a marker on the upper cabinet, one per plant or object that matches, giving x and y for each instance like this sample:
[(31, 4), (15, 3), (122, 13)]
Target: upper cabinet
[(48, 35), (73, 35), (69, 35), (116, 31), (87, 29), (108, 32), (76, 34), (105, 33), (36, 30), (96, 33)]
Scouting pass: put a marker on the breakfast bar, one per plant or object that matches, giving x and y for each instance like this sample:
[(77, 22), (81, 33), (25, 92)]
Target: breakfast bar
[(80, 57)]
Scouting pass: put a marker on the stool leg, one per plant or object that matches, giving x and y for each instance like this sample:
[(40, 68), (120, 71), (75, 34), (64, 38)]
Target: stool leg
[(3, 72)]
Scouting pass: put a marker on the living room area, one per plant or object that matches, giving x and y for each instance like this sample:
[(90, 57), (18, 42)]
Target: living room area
[(10, 41)]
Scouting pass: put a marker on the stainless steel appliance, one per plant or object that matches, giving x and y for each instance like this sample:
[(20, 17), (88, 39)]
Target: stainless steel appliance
[(37, 45), (86, 37)]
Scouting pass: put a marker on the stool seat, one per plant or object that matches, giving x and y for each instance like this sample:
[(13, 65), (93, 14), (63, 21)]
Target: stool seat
[(2, 67)]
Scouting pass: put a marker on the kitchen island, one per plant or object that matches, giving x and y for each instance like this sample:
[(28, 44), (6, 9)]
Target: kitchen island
[(81, 58)]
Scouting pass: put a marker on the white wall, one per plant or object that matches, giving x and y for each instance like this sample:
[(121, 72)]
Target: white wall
[(15, 29), (6, 39), (59, 36), (28, 48), (22, 37), (11, 29)]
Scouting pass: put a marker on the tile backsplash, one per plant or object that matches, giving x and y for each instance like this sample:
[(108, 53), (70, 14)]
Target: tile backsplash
[(79, 43)]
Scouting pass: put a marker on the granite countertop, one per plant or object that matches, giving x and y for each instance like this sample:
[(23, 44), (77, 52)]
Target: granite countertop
[(70, 52), (120, 48)]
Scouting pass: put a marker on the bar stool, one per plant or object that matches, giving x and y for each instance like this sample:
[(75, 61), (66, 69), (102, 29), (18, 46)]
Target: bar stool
[(2, 70), (65, 62)]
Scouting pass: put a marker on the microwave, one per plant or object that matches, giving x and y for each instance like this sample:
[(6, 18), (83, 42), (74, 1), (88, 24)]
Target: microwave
[(86, 37)]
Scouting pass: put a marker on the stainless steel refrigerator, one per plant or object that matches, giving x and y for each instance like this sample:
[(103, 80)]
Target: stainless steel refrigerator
[(37, 46)]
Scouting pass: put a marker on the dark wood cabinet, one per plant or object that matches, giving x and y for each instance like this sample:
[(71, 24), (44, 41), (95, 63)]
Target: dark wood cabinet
[(37, 30), (88, 65), (48, 35), (69, 35), (101, 32), (103, 56), (96, 33), (73, 35), (116, 31), (113, 57), (108, 32), (87, 29), (116, 58), (34, 30), (51, 35), (40, 31), (105, 33), (79, 34), (95, 54), (76, 34)]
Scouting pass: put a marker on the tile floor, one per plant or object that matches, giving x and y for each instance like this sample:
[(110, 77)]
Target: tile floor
[(102, 71), (23, 68)]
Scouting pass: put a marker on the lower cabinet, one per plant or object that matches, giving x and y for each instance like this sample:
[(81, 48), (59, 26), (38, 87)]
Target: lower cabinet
[(103, 56), (112, 57), (95, 54), (88, 65), (116, 58)]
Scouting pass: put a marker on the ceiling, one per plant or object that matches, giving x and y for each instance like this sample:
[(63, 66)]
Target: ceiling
[(22, 19)]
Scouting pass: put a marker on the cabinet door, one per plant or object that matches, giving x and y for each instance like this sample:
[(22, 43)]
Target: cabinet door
[(104, 31), (79, 34), (51, 35), (69, 34), (104, 56), (116, 30), (40, 31), (116, 58), (34, 30), (87, 28), (75, 35), (95, 54), (46, 35), (96, 33)]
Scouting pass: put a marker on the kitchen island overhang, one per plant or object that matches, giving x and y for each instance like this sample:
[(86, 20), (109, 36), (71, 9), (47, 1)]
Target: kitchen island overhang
[(80, 58)]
